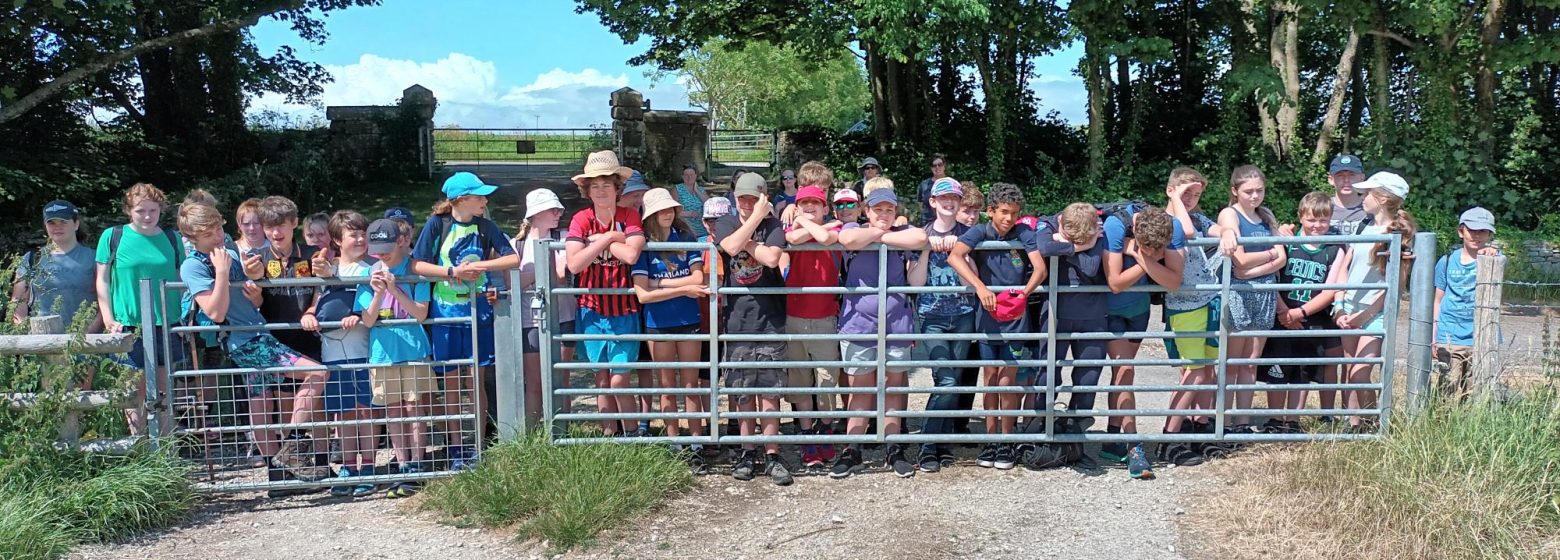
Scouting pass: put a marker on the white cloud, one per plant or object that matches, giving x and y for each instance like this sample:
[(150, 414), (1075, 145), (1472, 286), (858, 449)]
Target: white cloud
[(470, 94)]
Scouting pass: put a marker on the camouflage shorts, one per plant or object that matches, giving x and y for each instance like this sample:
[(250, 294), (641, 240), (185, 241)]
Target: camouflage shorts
[(748, 378)]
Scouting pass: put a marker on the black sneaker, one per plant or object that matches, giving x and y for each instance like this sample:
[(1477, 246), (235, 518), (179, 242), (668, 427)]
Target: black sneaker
[(1115, 451), (846, 463), (743, 470), (929, 462), (1004, 457), (988, 456), (696, 463), (1273, 426), (778, 473), (296, 456), (1180, 455), (895, 459), (945, 455)]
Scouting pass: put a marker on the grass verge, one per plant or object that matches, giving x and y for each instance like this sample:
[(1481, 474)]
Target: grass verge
[(1459, 482), (563, 494), (48, 504)]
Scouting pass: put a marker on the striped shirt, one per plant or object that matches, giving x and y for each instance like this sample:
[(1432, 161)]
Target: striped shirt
[(606, 271)]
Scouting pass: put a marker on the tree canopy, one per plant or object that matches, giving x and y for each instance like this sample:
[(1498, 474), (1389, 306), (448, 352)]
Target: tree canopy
[(763, 85)]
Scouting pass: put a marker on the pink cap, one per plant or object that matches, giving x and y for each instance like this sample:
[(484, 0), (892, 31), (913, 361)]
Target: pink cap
[(811, 191)]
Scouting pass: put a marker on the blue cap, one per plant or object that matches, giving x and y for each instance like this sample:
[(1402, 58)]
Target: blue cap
[(466, 183), (635, 183), (880, 196), (947, 185), (1346, 162), (399, 213)]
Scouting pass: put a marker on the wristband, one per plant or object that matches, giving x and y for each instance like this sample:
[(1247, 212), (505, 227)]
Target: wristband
[(449, 272)]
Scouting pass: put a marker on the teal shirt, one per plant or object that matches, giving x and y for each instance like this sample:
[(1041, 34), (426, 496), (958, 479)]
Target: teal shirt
[(140, 256)]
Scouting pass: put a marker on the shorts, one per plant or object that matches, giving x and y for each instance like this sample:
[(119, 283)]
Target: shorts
[(453, 342), (1201, 319), (1297, 347), (1252, 311), (264, 351), (1119, 324), (1377, 323), (136, 358), (685, 329), (853, 352), (751, 378), (348, 389), (531, 339), (813, 350), (397, 384), (609, 351)]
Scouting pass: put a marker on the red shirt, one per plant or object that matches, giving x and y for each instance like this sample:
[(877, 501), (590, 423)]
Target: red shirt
[(606, 271), (814, 269)]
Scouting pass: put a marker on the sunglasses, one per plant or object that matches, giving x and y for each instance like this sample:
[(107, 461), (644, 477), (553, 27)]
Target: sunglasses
[(784, 178), (845, 205)]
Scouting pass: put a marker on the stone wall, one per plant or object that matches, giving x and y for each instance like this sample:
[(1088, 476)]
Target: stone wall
[(1544, 256), (658, 143), (369, 140)]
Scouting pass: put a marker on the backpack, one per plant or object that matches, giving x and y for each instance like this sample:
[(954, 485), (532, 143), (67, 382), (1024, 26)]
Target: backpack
[(1122, 210), (117, 234)]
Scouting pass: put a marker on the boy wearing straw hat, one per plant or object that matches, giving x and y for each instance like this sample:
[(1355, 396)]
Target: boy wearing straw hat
[(603, 241)]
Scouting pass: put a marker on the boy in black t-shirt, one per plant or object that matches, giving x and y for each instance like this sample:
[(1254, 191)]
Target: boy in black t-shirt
[(1303, 309), (286, 258)]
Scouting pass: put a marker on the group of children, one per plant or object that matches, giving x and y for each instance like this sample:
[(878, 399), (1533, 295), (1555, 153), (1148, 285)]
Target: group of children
[(819, 242)]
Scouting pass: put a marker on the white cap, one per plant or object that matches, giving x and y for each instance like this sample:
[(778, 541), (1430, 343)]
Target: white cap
[(540, 200), (1386, 181)]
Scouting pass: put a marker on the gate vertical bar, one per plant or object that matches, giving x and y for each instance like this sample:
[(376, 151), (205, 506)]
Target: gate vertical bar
[(714, 279), (882, 343), (165, 326), (1421, 306), (544, 332), (509, 362), (478, 396), (1050, 350), (1222, 368), (1394, 295), (150, 383)]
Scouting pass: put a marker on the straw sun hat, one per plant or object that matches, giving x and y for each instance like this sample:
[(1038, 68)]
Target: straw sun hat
[(601, 164)]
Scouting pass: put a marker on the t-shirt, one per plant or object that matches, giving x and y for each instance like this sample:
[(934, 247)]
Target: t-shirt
[(61, 282), (1306, 266), (1006, 267), (606, 271), (1455, 323), (337, 303), (1347, 219), (140, 257), (288, 304), (814, 269), (1361, 272), (692, 208), (562, 304), (859, 314), (199, 277), (1195, 270), (749, 313), (1079, 269), (394, 344), (668, 265), (941, 274), (474, 241), (1133, 304)]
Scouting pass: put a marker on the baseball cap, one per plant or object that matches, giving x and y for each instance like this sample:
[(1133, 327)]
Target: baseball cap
[(811, 191), (880, 196), (60, 210), (382, 236), (749, 184), (1011, 305), (1478, 219), (869, 162), (1386, 181), (540, 200), (716, 208), (1346, 162), (847, 195), (466, 183), (946, 185), (399, 213), (635, 183)]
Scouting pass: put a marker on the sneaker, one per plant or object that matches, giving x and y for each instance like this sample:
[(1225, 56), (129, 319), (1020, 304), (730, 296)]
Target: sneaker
[(1180, 455), (775, 467), (988, 456), (895, 459), (945, 455), (1137, 464), (1004, 457), (405, 489), (825, 453), (846, 463), (342, 490), (463, 459), (810, 457), (1273, 426), (1293, 427), (296, 456), (364, 488), (697, 465), (743, 470), (929, 462), (1115, 452), (643, 431)]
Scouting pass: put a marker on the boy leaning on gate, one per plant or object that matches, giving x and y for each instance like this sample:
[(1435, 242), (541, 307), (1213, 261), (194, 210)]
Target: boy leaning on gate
[(1456, 278)]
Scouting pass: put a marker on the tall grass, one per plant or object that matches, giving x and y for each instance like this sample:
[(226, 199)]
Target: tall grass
[(564, 494), (1460, 482), (50, 503)]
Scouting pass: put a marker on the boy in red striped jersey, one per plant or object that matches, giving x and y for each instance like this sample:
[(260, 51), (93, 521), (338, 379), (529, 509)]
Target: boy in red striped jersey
[(603, 241)]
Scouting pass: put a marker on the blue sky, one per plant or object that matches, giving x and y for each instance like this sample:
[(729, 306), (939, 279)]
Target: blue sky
[(502, 64)]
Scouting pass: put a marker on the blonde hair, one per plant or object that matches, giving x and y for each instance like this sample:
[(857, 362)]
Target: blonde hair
[(1183, 175), (251, 206), (200, 196), (973, 198), (196, 219), (1246, 174), (875, 183), (1079, 222), (815, 174), (142, 192), (1400, 222), (1315, 203)]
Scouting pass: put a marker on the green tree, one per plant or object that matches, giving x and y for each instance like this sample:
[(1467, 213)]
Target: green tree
[(762, 85)]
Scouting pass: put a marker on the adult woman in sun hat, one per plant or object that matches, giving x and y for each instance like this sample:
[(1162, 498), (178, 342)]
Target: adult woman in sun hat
[(543, 212)]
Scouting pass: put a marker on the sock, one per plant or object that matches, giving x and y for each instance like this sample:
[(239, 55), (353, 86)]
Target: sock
[(1112, 429)]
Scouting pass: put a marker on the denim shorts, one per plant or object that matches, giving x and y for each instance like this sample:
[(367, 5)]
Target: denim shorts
[(1119, 324), (348, 389), (136, 358)]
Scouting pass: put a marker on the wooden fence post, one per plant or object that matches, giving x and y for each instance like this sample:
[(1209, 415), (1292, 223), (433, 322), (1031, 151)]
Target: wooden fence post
[(70, 426), (1487, 363)]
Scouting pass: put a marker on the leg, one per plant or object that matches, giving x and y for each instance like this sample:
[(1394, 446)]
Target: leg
[(894, 424), (796, 351), (1239, 348), (260, 410), (1006, 402), (533, 388), (1122, 376), (606, 404), (667, 352), (400, 432), (860, 402), (990, 401), (688, 378), (770, 403), (1363, 347)]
